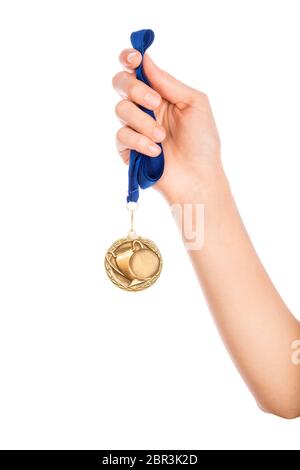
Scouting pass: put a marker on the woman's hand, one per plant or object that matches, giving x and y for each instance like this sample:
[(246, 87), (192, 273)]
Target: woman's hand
[(185, 126)]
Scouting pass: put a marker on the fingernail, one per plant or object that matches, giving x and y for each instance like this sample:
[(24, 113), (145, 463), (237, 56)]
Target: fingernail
[(154, 149), (152, 100), (131, 57), (158, 133)]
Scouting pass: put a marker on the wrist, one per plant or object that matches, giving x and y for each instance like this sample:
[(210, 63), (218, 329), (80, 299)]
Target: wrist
[(199, 186)]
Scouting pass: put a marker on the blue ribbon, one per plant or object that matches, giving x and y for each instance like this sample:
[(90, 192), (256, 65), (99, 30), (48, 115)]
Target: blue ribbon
[(143, 171)]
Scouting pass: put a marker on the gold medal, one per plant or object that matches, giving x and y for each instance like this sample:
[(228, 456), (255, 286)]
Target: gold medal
[(133, 263)]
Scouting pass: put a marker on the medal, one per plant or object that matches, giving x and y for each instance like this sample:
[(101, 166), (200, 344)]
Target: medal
[(134, 263)]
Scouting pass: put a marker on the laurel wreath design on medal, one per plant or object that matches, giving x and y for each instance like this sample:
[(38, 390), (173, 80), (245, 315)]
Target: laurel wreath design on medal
[(133, 264)]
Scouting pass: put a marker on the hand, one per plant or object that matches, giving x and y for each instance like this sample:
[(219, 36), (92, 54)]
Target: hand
[(185, 126)]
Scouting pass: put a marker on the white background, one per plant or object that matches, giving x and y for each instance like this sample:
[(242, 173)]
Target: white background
[(83, 364)]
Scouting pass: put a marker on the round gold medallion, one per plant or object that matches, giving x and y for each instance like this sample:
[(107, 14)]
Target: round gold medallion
[(133, 263)]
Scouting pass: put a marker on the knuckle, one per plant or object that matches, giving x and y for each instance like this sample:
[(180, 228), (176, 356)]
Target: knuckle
[(199, 98), (122, 55), (120, 134), (120, 78), (125, 156), (120, 107), (116, 78), (203, 96)]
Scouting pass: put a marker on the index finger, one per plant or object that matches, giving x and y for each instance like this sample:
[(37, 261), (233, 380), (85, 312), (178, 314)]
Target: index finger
[(130, 59)]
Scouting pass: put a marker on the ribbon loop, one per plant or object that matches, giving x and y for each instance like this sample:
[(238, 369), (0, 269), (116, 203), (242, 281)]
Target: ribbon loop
[(143, 171)]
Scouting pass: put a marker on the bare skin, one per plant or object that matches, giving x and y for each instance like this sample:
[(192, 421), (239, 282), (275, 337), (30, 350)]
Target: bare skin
[(255, 324)]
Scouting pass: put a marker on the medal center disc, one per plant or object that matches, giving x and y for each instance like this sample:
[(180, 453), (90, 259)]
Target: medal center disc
[(144, 263)]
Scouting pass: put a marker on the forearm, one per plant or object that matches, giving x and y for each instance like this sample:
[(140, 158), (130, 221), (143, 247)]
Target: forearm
[(255, 324)]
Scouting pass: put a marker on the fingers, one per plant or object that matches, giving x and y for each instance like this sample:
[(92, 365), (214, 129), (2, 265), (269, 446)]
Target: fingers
[(132, 116), (141, 132), (129, 87), (127, 139), (130, 59), (166, 86)]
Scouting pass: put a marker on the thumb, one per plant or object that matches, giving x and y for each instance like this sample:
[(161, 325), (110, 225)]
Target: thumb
[(165, 84)]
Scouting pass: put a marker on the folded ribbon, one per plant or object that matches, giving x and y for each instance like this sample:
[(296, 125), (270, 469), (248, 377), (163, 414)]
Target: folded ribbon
[(143, 170)]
